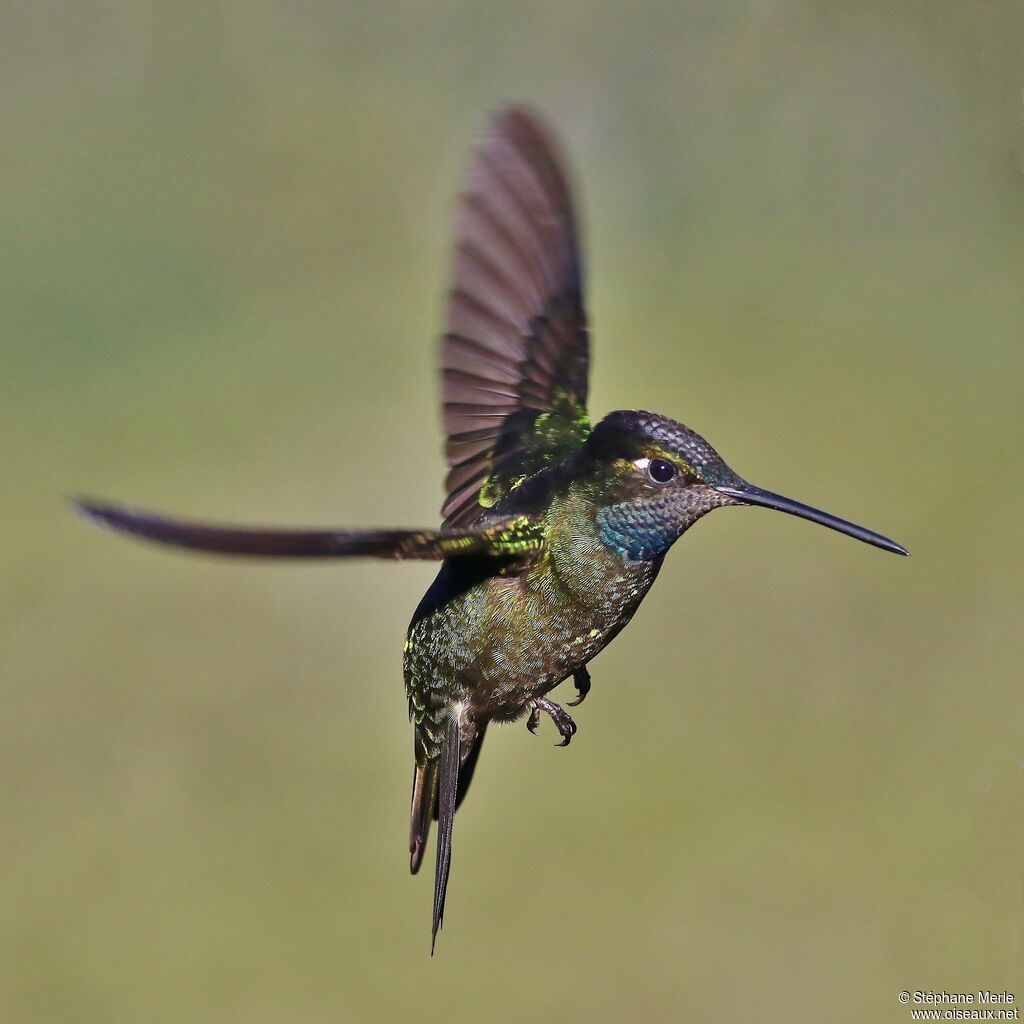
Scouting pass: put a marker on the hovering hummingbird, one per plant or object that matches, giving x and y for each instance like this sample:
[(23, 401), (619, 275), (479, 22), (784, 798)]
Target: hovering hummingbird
[(553, 530)]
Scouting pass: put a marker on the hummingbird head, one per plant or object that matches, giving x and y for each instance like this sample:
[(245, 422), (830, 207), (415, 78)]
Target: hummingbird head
[(653, 478)]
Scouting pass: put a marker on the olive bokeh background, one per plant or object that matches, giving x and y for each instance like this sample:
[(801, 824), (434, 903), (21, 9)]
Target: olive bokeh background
[(797, 785)]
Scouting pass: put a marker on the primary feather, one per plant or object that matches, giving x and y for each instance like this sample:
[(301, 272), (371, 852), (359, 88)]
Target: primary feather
[(500, 538), (515, 354)]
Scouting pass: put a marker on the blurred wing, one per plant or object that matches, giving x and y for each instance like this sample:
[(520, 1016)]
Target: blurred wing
[(515, 354), (512, 537)]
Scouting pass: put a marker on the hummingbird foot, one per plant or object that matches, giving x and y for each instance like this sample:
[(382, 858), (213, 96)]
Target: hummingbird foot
[(581, 680), (563, 723)]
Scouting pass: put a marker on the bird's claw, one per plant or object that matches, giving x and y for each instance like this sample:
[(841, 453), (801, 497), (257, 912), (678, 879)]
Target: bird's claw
[(533, 722), (581, 680), (563, 723)]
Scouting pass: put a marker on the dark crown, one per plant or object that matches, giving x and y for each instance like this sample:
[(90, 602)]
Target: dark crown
[(625, 432)]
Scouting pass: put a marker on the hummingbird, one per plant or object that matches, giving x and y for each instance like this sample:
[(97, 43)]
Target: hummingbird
[(553, 529)]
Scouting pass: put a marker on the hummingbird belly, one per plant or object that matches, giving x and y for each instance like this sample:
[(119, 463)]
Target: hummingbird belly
[(504, 640)]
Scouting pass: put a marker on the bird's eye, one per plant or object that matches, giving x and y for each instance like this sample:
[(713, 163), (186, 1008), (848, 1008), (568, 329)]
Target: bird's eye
[(660, 471)]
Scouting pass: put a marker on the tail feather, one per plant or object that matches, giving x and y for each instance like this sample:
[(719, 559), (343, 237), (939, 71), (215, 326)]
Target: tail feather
[(449, 785), (467, 767), (424, 801)]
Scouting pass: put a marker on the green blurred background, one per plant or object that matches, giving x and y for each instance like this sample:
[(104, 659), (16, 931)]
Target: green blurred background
[(797, 786)]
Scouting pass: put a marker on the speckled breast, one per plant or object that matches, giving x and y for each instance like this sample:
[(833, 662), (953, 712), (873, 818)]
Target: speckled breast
[(506, 639)]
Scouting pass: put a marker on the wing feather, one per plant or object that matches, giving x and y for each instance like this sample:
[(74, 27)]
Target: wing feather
[(511, 536), (515, 354)]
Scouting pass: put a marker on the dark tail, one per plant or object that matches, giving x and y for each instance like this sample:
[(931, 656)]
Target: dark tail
[(449, 786), (424, 798), (423, 811), (468, 766)]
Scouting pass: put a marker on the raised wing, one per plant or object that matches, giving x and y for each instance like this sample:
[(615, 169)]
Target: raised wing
[(515, 354), (511, 537)]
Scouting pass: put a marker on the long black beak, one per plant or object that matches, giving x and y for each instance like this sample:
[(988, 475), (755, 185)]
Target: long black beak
[(751, 495)]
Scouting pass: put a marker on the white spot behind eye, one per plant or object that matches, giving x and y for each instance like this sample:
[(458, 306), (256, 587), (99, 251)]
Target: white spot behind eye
[(641, 464)]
